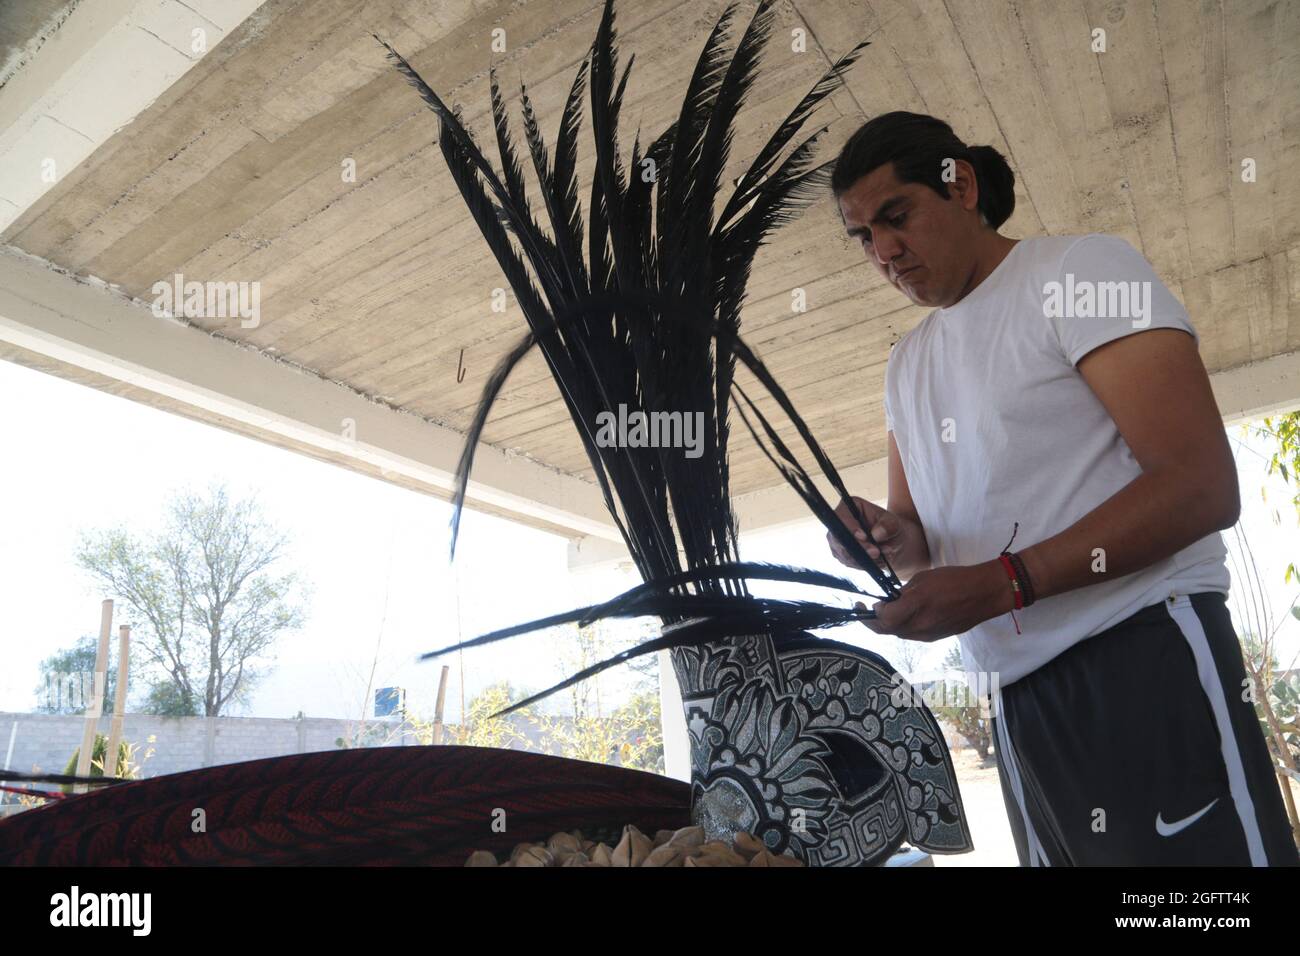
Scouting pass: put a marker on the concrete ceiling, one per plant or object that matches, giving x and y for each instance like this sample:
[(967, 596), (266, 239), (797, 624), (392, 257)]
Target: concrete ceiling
[(234, 174), (24, 28)]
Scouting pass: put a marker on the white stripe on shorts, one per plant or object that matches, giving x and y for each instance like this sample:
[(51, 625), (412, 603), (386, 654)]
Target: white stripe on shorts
[(1036, 854), (1189, 622)]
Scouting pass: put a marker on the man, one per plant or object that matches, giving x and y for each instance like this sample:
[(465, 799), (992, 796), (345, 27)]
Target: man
[(1055, 394)]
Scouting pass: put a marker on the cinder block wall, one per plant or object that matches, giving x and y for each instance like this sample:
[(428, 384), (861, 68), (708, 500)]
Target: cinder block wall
[(46, 741)]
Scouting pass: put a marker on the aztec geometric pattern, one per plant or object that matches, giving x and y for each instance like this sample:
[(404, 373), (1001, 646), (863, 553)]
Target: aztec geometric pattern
[(817, 749), (385, 806)]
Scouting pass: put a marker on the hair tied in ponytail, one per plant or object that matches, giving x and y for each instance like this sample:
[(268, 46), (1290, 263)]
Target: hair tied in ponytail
[(918, 146), (997, 184)]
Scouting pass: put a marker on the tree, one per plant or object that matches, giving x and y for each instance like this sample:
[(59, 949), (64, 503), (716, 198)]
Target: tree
[(67, 679), (166, 699), (204, 589), (1273, 691), (630, 736), (642, 724), (477, 730), (126, 768), (909, 654), (1285, 461), (963, 710)]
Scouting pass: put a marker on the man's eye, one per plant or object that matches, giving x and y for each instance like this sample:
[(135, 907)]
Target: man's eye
[(898, 220)]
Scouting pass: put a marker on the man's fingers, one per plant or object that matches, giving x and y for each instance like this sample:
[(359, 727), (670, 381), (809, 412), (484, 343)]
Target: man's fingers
[(839, 554), (881, 534), (895, 616), (866, 542), (848, 513)]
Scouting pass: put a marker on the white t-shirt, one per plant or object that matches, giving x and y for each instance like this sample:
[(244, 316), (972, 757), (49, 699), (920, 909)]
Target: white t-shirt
[(995, 425)]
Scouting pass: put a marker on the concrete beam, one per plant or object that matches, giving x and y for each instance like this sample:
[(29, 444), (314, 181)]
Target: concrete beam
[(96, 336), (99, 68), (1258, 389)]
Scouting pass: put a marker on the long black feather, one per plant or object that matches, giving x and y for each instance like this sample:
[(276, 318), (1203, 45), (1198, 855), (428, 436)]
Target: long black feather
[(650, 597), (796, 476), (753, 616), (63, 778), (779, 612), (651, 323), (751, 181), (535, 245)]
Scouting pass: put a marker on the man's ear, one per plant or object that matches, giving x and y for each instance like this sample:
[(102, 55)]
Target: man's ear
[(966, 187)]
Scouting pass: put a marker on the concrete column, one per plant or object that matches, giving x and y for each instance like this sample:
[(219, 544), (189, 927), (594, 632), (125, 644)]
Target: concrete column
[(209, 741), (677, 741)]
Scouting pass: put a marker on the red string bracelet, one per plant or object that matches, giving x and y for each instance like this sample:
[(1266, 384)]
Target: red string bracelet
[(1015, 587), (1018, 574)]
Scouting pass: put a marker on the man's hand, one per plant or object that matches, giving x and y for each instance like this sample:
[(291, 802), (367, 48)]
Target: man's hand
[(887, 529), (942, 602)]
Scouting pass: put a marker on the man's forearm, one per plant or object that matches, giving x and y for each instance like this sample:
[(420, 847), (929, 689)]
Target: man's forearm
[(1151, 518)]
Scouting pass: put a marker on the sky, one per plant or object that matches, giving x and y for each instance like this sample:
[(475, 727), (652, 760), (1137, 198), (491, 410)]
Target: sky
[(375, 556)]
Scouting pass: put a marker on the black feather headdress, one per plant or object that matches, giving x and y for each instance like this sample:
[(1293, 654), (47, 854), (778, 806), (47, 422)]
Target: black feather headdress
[(649, 323)]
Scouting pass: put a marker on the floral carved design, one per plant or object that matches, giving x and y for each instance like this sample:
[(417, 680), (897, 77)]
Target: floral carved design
[(809, 745)]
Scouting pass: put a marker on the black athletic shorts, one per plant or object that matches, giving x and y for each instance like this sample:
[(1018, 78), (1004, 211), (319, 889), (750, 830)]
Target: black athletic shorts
[(1139, 747)]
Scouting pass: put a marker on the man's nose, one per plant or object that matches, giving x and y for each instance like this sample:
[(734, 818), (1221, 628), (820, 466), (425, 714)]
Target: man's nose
[(886, 250)]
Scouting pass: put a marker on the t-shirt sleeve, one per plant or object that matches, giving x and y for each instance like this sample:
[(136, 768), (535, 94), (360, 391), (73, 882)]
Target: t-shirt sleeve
[(1104, 291), (889, 411)]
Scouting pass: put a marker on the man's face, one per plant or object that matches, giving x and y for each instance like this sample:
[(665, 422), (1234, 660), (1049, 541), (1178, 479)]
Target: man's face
[(920, 242)]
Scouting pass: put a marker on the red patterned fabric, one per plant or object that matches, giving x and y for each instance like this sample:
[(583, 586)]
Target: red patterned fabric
[(377, 806)]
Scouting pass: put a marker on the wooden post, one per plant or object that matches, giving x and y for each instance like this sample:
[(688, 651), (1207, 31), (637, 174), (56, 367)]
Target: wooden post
[(437, 712), (97, 698), (9, 755), (119, 702)]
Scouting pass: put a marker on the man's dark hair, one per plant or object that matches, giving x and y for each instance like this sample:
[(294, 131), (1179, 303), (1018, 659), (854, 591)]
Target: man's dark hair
[(917, 145)]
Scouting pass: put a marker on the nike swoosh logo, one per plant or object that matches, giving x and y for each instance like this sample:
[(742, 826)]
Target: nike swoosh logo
[(1169, 829)]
